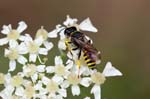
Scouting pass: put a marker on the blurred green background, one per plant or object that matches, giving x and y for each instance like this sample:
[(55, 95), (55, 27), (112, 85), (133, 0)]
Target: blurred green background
[(123, 37)]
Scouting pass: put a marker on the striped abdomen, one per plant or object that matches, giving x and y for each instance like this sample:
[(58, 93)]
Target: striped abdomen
[(89, 59)]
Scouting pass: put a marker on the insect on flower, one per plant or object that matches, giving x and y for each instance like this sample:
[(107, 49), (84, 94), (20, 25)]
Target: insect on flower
[(79, 41)]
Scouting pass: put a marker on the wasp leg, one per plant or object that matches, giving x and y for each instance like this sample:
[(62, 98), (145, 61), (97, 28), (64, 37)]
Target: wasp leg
[(67, 43), (79, 63), (79, 54), (75, 48)]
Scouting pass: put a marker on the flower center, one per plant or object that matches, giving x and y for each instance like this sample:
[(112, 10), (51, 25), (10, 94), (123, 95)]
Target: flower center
[(73, 79), (2, 78), (33, 47), (16, 81), (29, 91), (31, 69), (13, 54), (42, 32), (52, 87), (13, 35), (98, 78), (60, 70), (14, 97)]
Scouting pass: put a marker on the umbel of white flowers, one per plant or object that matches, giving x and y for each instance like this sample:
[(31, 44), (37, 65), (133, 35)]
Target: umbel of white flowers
[(39, 81)]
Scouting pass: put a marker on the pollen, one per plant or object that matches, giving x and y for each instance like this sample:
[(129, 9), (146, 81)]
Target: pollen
[(52, 87), (13, 35), (98, 78), (78, 63), (33, 47), (60, 70), (13, 54), (29, 91), (16, 81), (2, 78), (73, 79), (42, 32)]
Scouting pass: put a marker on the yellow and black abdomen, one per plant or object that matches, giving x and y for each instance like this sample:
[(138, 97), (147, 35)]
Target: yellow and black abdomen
[(88, 59)]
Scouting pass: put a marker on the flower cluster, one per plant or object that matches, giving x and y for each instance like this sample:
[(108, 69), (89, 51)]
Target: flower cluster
[(36, 80)]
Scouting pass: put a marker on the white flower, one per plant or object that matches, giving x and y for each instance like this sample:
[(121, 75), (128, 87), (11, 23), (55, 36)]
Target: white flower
[(74, 81), (33, 47), (52, 88), (12, 34), (85, 25), (33, 71), (29, 92), (44, 34), (54, 33), (13, 86), (59, 69), (15, 52), (99, 78)]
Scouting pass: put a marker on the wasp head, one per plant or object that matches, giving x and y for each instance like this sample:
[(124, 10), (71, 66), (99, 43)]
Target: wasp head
[(70, 30)]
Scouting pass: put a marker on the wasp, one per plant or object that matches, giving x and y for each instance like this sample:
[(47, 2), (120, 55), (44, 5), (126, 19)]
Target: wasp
[(90, 54)]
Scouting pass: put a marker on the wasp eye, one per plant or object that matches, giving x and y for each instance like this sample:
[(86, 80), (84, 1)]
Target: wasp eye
[(69, 30)]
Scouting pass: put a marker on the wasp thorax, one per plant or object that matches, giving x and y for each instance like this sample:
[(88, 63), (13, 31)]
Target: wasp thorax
[(69, 30)]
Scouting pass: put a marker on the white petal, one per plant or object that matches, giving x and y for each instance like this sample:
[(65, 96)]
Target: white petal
[(45, 80), (12, 65), (63, 92), (86, 25), (43, 51), (58, 97), (34, 77), (62, 35), (53, 34), (19, 91), (22, 49), (39, 40), (27, 38), (65, 84), (58, 60), (70, 21), (109, 70), (3, 41), (86, 71), (41, 68), (22, 26), (7, 92), (6, 52), (75, 90), (50, 69), (32, 57), (22, 38), (6, 29), (69, 65), (57, 79), (96, 90), (13, 44), (48, 45), (22, 59), (86, 81), (7, 79), (62, 45), (87, 98)]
